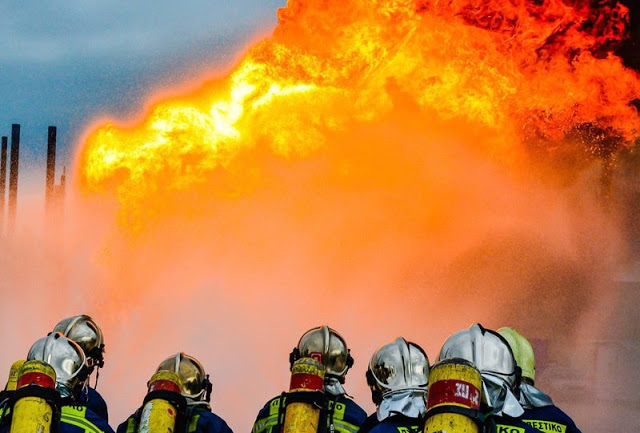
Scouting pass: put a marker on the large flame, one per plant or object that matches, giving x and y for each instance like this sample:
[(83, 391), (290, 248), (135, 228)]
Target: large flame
[(524, 71), (392, 167)]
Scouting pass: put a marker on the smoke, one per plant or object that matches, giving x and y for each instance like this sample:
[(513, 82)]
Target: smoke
[(386, 206), (407, 231)]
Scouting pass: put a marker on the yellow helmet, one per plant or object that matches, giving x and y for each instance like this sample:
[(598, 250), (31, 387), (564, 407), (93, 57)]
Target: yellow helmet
[(522, 351)]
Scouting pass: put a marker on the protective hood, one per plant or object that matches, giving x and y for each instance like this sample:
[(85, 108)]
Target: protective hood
[(499, 397), (531, 397), (411, 403), (333, 386)]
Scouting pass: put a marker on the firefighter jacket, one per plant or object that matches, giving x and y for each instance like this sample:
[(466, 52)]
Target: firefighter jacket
[(96, 403), (73, 419), (81, 419), (200, 419), (506, 424), (393, 424), (340, 414), (549, 419)]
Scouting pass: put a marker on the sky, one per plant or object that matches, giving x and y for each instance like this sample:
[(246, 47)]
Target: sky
[(67, 63)]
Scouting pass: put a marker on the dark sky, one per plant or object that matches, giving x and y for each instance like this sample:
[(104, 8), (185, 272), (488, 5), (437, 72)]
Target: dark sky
[(66, 63)]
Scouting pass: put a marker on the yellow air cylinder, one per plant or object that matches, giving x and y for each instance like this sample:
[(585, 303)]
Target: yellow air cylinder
[(159, 415), (453, 384), (307, 375), (33, 414), (14, 373)]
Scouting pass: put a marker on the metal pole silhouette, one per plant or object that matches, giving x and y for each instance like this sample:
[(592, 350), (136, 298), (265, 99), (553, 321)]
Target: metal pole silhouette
[(13, 175), (3, 180), (50, 198)]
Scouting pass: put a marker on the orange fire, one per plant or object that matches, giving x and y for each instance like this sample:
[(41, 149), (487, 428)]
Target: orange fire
[(388, 167), (524, 72)]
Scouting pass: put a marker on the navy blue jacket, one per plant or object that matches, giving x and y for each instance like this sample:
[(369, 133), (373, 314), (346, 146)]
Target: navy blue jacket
[(393, 424), (201, 420), (340, 411), (549, 419), (96, 403)]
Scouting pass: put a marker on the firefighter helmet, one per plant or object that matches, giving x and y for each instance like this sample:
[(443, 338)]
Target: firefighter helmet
[(326, 344), (83, 330), (492, 356), (67, 359), (195, 384), (486, 349), (397, 366), (522, 351)]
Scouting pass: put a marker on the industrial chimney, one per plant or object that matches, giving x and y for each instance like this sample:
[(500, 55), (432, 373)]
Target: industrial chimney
[(51, 171), (3, 180), (13, 175)]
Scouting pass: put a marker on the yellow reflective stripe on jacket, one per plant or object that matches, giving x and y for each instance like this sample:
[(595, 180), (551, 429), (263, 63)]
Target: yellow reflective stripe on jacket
[(345, 427), (131, 424), (78, 411), (546, 426), (338, 409), (193, 424), (412, 429), (274, 406), (265, 424), (501, 428), (75, 415)]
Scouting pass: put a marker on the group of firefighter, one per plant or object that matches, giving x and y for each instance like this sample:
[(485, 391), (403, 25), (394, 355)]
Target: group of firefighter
[(483, 382)]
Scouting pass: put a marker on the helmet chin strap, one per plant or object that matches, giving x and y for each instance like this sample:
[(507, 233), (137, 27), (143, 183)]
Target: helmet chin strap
[(97, 376)]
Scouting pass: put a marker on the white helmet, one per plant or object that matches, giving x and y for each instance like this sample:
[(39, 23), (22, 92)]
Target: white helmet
[(397, 366), (83, 330), (67, 359), (492, 356)]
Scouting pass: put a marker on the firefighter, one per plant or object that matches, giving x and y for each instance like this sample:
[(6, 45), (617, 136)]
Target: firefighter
[(338, 413), (68, 360), (84, 330), (196, 389), (492, 356), (398, 376), (539, 410)]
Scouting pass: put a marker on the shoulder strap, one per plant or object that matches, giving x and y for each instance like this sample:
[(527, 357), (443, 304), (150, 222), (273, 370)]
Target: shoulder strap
[(132, 424), (281, 410)]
